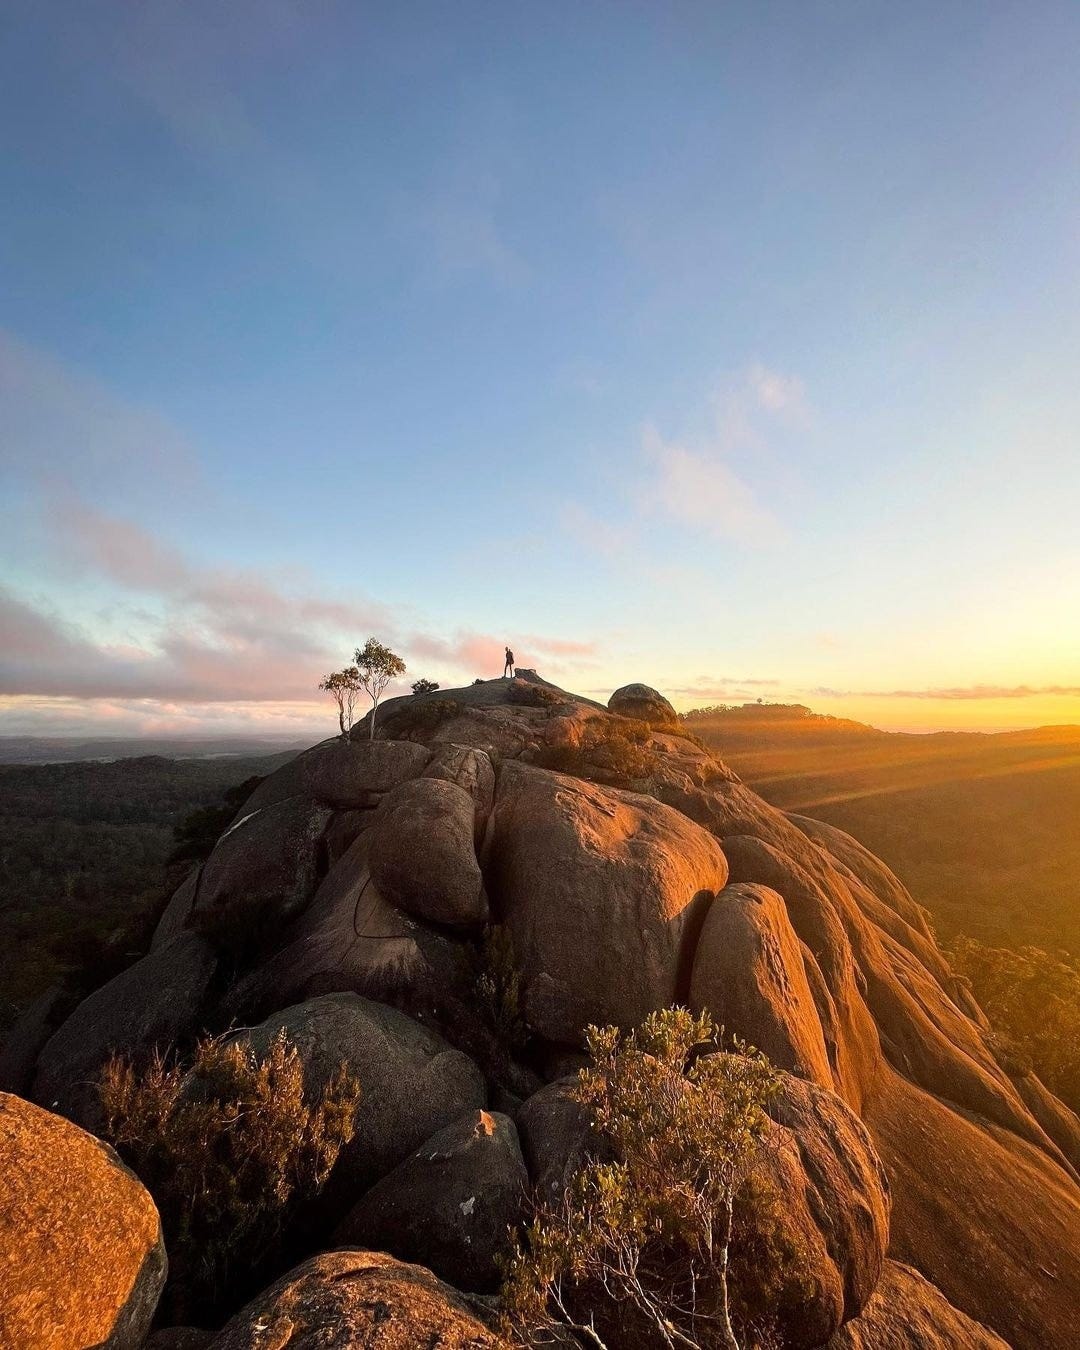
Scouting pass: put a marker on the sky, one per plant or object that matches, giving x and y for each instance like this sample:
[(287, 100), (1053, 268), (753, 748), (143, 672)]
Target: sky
[(729, 347)]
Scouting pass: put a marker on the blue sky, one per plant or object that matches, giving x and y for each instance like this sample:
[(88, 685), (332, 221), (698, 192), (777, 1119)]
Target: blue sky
[(730, 347)]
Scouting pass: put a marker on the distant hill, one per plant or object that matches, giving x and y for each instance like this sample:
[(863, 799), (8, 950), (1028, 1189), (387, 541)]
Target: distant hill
[(984, 829), (70, 749), (83, 849)]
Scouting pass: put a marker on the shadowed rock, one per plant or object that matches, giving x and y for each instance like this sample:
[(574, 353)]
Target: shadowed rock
[(412, 1083), (156, 1002), (452, 1205), (422, 853)]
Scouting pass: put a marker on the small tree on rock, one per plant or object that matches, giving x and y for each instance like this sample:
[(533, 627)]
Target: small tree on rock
[(638, 1250), (344, 687), (425, 686), (376, 666)]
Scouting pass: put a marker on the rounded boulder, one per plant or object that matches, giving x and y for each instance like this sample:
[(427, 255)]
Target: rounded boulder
[(82, 1262), (343, 1300), (422, 854), (644, 704)]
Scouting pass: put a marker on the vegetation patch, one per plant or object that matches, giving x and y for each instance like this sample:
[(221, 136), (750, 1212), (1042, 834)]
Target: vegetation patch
[(229, 1146), (649, 1244), (420, 714), (1032, 999), (612, 751)]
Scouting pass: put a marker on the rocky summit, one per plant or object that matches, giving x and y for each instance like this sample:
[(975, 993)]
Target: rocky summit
[(932, 1183)]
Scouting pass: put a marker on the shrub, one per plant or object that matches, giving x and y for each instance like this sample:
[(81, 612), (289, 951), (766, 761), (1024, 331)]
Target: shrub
[(612, 751), (425, 714), (529, 695), (424, 686), (228, 1147), (640, 1247), (498, 989)]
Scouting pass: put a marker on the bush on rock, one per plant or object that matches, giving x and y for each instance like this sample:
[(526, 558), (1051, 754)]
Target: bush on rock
[(228, 1148), (640, 1250)]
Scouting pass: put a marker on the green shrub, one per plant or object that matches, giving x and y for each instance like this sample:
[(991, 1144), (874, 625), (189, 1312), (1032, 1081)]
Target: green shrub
[(642, 1248), (228, 1147)]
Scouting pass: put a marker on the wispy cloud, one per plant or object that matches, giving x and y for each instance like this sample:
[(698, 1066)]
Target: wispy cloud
[(702, 484), (214, 636)]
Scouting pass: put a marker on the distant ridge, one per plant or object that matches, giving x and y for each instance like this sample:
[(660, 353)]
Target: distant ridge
[(72, 749)]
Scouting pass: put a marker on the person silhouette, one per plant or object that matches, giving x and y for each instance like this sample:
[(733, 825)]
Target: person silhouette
[(508, 668)]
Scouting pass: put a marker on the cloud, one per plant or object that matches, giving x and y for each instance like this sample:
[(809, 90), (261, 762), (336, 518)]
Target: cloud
[(214, 636), (701, 491), (701, 484), (962, 692)]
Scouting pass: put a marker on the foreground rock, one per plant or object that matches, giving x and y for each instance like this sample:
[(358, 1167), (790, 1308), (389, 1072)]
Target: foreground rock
[(82, 1262), (411, 1082), (603, 893), (345, 1300), (155, 1002), (452, 1205), (908, 1313)]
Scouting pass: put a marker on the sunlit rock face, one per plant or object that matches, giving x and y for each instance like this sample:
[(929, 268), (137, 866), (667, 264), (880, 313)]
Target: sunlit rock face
[(625, 869), (82, 1262)]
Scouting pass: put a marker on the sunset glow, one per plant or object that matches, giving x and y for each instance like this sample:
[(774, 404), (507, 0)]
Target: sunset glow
[(744, 366)]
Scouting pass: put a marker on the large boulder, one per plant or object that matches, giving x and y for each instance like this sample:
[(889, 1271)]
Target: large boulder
[(82, 1262), (342, 774), (345, 1300), (470, 769), (422, 853), (156, 1002), (452, 1205), (411, 1082), (603, 893), (350, 939), (907, 1312), (644, 704), (749, 974), (262, 872)]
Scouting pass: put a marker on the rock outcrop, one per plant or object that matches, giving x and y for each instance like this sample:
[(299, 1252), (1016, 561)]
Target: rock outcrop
[(906, 1312), (933, 1195), (82, 1263)]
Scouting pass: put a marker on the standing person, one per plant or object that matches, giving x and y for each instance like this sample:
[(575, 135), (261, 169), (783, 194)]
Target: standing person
[(508, 668)]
